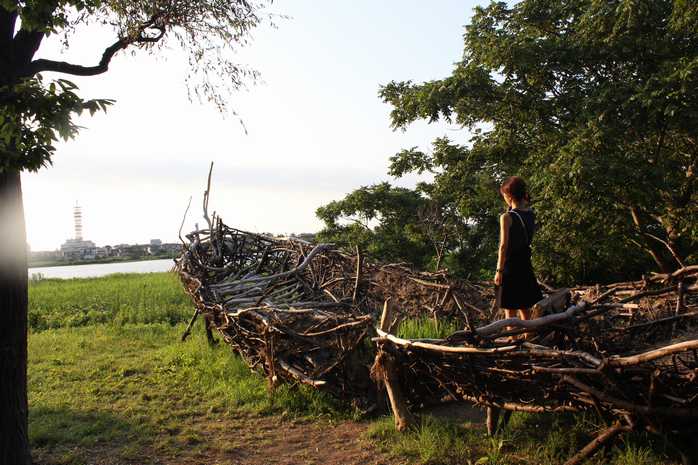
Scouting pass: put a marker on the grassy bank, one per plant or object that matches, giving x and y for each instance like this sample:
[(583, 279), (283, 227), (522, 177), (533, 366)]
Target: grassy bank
[(108, 375), (114, 299)]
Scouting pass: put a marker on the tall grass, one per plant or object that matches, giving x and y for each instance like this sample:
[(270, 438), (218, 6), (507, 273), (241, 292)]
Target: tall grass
[(117, 298), (426, 328)]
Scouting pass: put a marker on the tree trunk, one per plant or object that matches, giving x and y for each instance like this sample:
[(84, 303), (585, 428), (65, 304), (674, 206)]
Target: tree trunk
[(14, 440)]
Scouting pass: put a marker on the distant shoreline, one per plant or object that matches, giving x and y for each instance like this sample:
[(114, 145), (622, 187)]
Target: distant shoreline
[(53, 263)]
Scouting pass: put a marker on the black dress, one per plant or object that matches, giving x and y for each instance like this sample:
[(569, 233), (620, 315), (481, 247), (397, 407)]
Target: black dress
[(519, 285)]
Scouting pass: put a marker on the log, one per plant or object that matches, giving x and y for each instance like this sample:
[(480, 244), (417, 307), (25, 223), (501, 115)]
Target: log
[(401, 414), (537, 323)]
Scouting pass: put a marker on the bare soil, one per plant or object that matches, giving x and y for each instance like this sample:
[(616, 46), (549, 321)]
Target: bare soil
[(244, 440)]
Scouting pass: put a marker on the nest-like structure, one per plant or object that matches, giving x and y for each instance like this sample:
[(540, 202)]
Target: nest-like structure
[(304, 312), (308, 313)]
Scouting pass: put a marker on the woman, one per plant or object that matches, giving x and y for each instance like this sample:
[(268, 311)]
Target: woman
[(518, 285)]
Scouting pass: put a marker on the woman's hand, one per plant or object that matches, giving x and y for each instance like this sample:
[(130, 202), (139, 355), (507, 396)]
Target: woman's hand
[(498, 278)]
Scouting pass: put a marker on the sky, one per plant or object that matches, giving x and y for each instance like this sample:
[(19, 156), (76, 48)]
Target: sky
[(316, 127)]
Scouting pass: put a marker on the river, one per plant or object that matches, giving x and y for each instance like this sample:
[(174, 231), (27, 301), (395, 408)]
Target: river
[(102, 269)]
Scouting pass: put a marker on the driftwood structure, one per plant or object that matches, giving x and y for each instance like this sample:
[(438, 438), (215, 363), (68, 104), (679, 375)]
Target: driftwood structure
[(308, 313), (628, 351)]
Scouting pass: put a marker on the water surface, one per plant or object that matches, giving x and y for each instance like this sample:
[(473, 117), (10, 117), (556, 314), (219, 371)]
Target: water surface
[(102, 269)]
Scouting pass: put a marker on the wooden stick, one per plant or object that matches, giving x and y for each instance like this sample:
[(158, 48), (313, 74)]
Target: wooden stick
[(519, 407), (384, 336), (300, 376), (680, 272), (652, 354), (358, 275), (603, 438), (187, 331)]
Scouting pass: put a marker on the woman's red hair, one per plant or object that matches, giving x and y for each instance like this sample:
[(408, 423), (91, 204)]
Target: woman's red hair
[(515, 187)]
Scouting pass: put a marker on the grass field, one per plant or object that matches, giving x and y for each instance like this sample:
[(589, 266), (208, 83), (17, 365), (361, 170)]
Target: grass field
[(116, 299), (108, 376)]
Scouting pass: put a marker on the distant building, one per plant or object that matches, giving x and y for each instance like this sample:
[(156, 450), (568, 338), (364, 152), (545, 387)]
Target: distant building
[(171, 248), (77, 248), (155, 246)]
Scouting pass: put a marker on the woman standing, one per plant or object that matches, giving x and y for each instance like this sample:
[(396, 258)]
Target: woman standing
[(518, 285)]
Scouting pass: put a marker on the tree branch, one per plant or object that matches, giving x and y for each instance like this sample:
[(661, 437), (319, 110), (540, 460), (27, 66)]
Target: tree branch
[(673, 251), (649, 247), (41, 65)]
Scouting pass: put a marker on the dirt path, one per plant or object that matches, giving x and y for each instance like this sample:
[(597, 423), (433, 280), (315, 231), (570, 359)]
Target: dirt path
[(242, 440), (275, 441), (248, 439)]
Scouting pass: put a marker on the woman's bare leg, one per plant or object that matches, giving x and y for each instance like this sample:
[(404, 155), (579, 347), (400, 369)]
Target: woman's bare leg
[(524, 314), (509, 314)]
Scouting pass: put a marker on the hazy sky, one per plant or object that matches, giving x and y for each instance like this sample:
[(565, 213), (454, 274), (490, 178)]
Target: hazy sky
[(316, 126)]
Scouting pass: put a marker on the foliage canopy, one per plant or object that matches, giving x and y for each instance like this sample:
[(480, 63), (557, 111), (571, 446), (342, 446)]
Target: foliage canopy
[(595, 103)]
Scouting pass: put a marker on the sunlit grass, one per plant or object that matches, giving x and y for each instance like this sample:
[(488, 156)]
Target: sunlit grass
[(138, 386), (117, 298), (426, 328)]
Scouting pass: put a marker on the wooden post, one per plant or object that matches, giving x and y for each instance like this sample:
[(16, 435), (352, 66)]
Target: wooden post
[(391, 379)]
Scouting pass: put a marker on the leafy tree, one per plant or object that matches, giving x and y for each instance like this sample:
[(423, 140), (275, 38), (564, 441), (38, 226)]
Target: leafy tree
[(381, 220), (35, 112), (595, 103)]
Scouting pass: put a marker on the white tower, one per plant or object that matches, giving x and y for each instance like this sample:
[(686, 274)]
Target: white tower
[(77, 218)]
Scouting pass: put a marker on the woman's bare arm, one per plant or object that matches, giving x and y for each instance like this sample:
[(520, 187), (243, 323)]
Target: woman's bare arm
[(504, 223)]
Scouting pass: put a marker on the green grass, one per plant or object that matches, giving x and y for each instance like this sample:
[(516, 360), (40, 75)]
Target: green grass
[(528, 440), (117, 299), (107, 370), (434, 441), (130, 384), (426, 328)]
